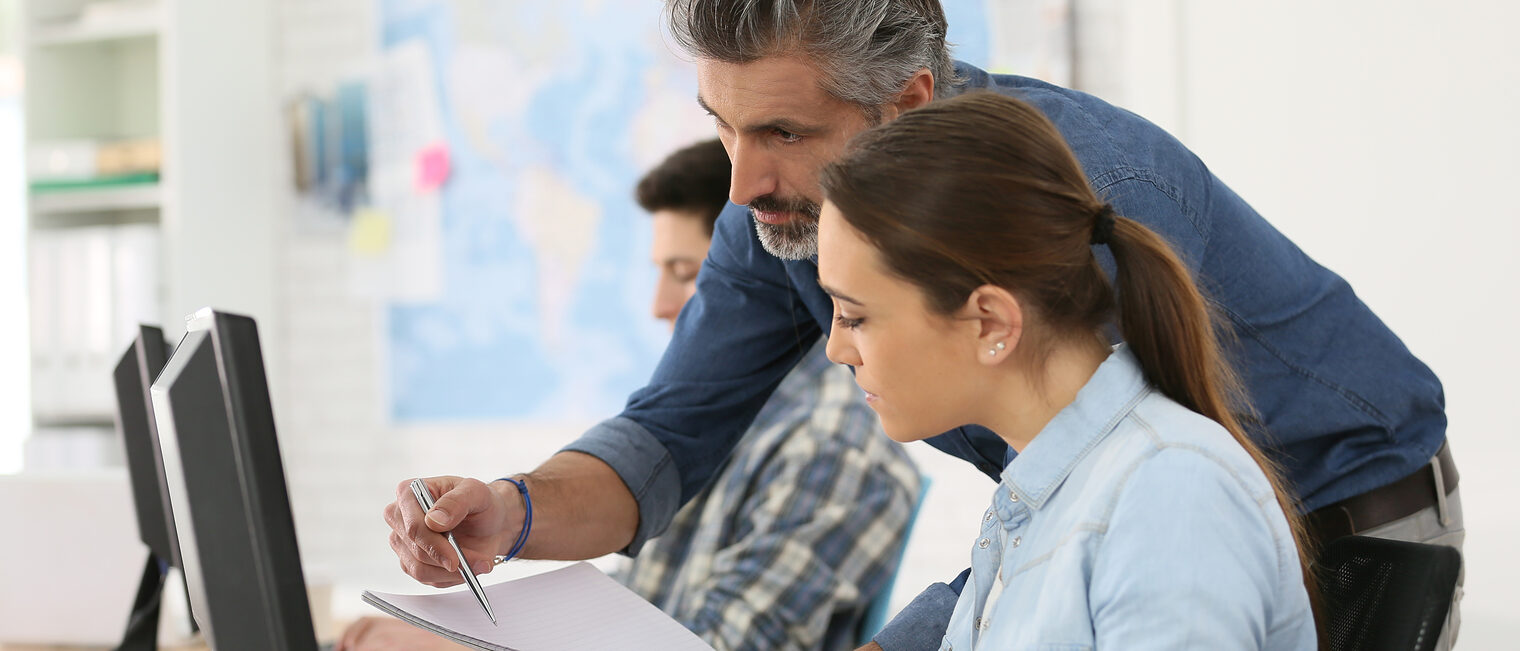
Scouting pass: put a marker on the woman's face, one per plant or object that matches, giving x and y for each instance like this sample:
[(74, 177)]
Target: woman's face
[(917, 367)]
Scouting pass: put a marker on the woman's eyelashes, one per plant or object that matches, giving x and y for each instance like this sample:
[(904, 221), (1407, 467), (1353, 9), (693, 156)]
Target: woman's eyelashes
[(848, 323)]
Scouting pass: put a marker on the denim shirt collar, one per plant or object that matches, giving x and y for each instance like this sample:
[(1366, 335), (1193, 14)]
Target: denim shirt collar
[(975, 78), (1107, 398)]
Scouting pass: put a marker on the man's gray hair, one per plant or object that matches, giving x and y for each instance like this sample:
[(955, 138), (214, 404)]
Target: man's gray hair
[(866, 50)]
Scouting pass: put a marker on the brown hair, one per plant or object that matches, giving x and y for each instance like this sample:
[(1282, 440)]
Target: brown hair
[(981, 189), (694, 180)]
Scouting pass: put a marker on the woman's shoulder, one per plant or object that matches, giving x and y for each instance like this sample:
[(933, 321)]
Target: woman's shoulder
[(1187, 446)]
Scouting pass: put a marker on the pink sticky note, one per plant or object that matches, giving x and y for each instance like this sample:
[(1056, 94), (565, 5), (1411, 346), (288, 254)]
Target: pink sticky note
[(432, 167)]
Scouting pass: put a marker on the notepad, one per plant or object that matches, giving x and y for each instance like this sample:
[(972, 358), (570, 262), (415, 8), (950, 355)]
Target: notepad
[(574, 607)]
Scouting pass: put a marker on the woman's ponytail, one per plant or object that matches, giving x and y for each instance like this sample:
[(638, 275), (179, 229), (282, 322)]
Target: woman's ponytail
[(1171, 330)]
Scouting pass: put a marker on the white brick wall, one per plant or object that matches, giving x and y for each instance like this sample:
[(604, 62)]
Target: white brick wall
[(338, 454), (342, 457)]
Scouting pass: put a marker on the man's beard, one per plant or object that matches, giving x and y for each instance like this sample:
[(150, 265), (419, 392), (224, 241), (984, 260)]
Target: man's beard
[(794, 240)]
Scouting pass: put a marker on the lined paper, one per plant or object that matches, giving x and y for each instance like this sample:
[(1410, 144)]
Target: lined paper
[(571, 608)]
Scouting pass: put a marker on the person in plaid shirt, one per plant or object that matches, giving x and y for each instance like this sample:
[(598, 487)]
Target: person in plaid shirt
[(801, 528)]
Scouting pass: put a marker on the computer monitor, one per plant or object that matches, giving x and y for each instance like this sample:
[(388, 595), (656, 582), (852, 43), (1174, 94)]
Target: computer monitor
[(133, 376), (227, 486)]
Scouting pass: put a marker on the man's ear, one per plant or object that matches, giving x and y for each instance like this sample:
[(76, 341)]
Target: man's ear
[(999, 322), (917, 92)]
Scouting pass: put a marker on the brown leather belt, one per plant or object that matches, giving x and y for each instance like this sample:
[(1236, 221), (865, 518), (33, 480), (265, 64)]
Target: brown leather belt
[(1380, 506)]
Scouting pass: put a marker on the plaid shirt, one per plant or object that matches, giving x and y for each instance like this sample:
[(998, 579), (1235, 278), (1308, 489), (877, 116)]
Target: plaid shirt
[(799, 531)]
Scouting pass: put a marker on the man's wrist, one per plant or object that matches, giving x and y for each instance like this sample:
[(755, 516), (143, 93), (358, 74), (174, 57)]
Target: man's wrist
[(512, 500)]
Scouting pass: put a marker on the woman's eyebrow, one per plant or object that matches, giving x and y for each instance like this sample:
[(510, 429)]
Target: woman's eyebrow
[(839, 295)]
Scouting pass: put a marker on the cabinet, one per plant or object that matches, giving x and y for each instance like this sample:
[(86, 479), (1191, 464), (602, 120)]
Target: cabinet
[(152, 168)]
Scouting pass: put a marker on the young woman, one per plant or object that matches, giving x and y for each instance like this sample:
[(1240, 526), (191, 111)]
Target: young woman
[(958, 244)]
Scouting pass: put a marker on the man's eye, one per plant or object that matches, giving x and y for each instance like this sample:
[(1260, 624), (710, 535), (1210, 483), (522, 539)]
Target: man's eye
[(787, 136)]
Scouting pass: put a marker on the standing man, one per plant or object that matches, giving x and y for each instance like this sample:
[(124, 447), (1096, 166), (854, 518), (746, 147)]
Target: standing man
[(1357, 422), (802, 526)]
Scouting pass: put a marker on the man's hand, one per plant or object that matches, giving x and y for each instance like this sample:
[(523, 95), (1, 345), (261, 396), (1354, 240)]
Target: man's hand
[(581, 510), (484, 522), (387, 634)]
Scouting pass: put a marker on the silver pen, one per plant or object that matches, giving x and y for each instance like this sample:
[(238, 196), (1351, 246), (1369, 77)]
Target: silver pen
[(425, 499)]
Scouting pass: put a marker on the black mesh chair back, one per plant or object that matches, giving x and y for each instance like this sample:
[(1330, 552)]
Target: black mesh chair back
[(1385, 594)]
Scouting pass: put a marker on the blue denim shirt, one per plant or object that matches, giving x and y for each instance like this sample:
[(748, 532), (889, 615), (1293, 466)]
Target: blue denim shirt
[(1131, 522), (1341, 402)]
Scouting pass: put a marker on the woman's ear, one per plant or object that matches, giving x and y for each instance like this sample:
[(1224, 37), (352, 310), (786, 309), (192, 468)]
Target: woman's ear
[(999, 322)]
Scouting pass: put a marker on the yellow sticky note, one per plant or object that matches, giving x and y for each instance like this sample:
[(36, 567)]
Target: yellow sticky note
[(369, 232)]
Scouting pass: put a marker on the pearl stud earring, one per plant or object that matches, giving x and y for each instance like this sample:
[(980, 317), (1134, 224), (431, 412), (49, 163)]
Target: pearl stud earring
[(999, 346)]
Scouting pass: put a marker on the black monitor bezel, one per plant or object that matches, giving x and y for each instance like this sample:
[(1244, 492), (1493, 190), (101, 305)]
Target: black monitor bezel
[(222, 459)]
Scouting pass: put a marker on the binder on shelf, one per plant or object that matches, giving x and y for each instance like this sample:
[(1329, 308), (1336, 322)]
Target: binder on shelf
[(90, 286)]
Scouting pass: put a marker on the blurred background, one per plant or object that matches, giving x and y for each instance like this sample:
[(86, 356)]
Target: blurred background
[(427, 206)]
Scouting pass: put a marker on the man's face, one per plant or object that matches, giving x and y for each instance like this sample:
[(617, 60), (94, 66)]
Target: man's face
[(677, 249), (780, 128)]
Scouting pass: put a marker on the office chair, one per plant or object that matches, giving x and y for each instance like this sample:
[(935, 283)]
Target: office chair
[(1385, 594), (877, 612)]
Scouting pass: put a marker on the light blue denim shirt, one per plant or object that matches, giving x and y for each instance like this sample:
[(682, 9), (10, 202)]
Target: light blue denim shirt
[(1131, 522)]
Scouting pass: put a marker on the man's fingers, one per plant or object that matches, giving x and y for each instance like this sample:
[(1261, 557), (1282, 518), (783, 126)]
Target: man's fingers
[(420, 568), (407, 521), (424, 554), (392, 516), (466, 497)]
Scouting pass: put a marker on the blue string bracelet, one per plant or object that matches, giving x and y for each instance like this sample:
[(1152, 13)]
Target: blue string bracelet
[(522, 538)]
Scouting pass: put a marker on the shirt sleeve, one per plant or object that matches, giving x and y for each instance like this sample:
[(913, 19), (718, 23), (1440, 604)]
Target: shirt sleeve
[(922, 624), (1191, 559), (818, 535), (733, 343)]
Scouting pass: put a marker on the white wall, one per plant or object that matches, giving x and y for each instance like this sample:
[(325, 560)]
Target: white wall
[(1381, 137), (15, 400)]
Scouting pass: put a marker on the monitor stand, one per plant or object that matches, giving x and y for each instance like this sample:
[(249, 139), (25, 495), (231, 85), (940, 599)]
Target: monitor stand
[(142, 625)]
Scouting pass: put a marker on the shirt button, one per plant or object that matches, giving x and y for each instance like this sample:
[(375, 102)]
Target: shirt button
[(982, 623), (1012, 496), (1016, 540), (988, 518), (983, 543)]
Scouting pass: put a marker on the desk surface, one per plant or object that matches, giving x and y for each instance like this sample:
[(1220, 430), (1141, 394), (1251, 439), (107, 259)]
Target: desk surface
[(54, 647)]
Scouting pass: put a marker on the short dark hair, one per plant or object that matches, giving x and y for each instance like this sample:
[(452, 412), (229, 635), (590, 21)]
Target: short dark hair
[(694, 179)]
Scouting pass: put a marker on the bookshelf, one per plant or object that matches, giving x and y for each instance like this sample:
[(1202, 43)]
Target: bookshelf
[(151, 140), (115, 199)]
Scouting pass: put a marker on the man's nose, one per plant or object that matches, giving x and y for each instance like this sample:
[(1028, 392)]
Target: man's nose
[(754, 173), (667, 302)]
